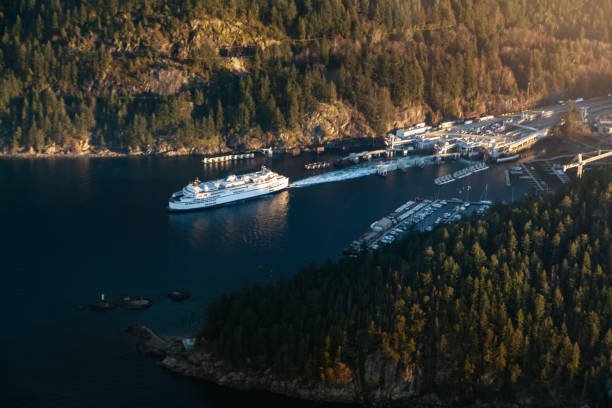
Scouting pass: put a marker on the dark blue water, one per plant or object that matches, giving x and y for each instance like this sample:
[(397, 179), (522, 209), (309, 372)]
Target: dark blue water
[(75, 228)]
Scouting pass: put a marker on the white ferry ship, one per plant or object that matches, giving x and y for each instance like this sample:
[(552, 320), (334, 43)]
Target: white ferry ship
[(199, 195)]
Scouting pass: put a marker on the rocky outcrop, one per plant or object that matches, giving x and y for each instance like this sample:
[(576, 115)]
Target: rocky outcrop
[(330, 124), (168, 57), (384, 382), (201, 365), (151, 343)]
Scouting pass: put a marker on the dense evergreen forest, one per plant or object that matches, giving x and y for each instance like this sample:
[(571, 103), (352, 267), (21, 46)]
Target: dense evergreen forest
[(515, 305), (130, 73)]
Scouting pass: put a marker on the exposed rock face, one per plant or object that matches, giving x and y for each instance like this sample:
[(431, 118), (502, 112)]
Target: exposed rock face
[(329, 124), (163, 66), (386, 381), (165, 81), (410, 115)]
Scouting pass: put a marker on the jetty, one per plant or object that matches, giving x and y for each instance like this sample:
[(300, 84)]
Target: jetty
[(228, 157), (539, 184), (459, 174)]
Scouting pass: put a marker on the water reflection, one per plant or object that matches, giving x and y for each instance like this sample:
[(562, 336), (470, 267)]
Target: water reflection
[(256, 223)]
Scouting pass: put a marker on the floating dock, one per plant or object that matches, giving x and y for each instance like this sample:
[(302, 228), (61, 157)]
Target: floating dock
[(440, 181), (539, 184), (387, 229), (459, 174), (507, 174), (228, 157), (413, 214), (316, 165)]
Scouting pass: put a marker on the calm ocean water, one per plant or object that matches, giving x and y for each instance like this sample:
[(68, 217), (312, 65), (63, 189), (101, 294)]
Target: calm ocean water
[(75, 228)]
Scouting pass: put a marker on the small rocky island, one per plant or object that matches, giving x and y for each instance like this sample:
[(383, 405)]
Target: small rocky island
[(178, 295)]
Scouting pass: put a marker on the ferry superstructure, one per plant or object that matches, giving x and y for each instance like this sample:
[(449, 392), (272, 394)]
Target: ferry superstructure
[(199, 195)]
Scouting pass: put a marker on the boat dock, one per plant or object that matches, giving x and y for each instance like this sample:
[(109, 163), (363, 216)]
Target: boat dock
[(228, 157), (368, 155), (539, 184), (507, 174), (459, 174), (418, 214), (557, 170)]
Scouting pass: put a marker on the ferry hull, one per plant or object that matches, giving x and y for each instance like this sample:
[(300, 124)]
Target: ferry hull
[(196, 205)]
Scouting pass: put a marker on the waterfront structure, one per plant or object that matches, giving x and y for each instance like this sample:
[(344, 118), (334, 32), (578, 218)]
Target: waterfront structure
[(229, 157), (199, 195)]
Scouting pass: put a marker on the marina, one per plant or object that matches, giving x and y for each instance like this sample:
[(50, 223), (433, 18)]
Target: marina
[(417, 214)]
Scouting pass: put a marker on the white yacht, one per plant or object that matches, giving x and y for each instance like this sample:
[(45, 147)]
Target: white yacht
[(199, 195)]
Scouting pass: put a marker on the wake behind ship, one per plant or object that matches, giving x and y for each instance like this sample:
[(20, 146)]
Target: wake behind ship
[(200, 195)]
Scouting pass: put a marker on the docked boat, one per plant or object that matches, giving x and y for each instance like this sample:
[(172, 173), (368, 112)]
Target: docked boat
[(200, 195), (316, 165)]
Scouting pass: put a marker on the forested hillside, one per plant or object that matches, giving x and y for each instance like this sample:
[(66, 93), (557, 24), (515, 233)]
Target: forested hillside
[(514, 307), (137, 73)]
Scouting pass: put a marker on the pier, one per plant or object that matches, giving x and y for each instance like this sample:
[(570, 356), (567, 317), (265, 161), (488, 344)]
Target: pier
[(228, 157), (557, 170), (459, 174), (539, 184), (368, 155), (580, 161)]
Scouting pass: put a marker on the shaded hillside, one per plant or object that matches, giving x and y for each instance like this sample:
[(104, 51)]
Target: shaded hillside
[(514, 306), (137, 73)]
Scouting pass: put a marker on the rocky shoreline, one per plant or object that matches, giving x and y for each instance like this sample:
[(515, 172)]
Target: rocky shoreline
[(394, 386), (170, 151), (104, 152), (199, 364)]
